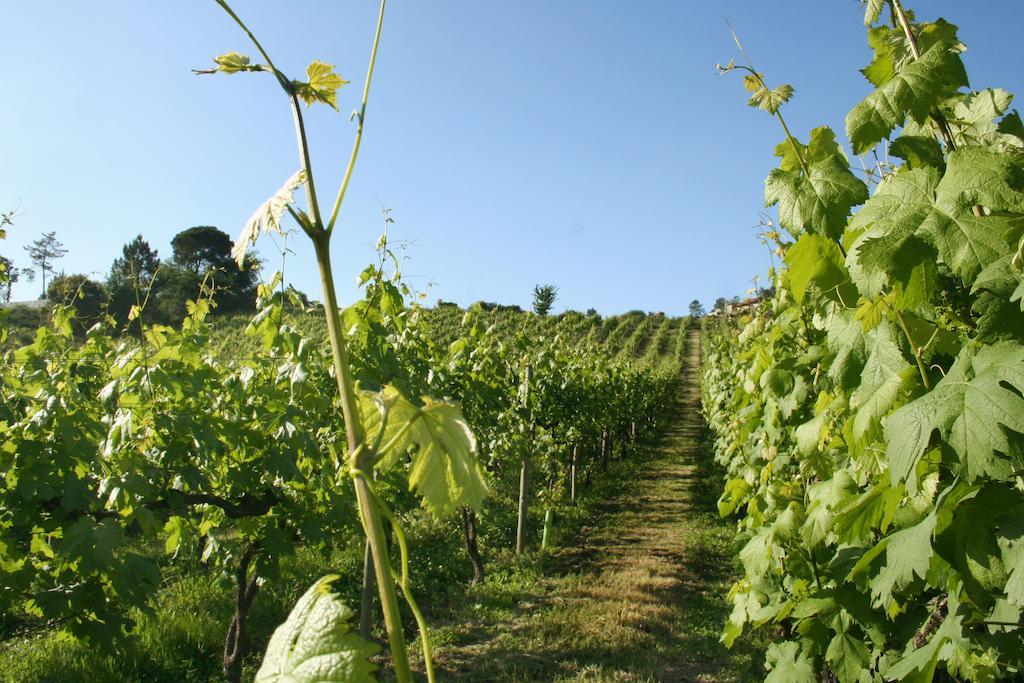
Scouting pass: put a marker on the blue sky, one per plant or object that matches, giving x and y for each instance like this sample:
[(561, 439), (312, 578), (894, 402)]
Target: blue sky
[(584, 143)]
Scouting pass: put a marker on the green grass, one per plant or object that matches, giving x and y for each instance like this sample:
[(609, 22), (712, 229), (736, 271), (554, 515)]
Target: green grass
[(181, 639)]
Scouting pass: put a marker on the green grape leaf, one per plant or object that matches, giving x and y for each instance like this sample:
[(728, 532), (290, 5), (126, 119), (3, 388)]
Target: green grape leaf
[(1002, 279), (907, 554), (316, 644), (918, 151), (909, 429), (771, 100), (970, 407), (816, 260), (976, 556), (808, 435), (977, 175), (848, 657), (845, 339), (1012, 128), (322, 86), (989, 408), (445, 470), (885, 378), (735, 492), (919, 665), (914, 91), (764, 98), (825, 498), (233, 62), (888, 48), (788, 664), (1013, 560), (895, 212), (819, 203), (267, 216), (913, 211), (872, 511), (974, 121), (999, 318), (970, 243), (822, 147), (892, 51), (756, 554)]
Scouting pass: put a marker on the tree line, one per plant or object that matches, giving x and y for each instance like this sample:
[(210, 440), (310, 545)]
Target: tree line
[(142, 288)]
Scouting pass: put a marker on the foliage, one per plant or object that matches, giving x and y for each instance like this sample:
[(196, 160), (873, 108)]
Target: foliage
[(44, 251), (86, 297), (11, 275), (544, 298), (132, 280), (315, 644), (869, 412), (206, 252)]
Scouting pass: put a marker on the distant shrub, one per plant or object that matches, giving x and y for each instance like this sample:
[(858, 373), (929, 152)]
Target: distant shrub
[(486, 305)]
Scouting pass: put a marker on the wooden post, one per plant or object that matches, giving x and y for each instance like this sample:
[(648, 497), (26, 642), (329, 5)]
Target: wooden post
[(604, 449), (524, 475), (549, 525), (572, 474)]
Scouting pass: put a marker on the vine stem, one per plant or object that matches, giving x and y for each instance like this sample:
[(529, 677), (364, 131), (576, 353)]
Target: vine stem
[(402, 578), (937, 116), (360, 457), (778, 115), (916, 350), (940, 121), (359, 128)]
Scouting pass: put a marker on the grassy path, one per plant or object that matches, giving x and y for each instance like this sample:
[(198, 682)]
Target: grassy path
[(637, 596)]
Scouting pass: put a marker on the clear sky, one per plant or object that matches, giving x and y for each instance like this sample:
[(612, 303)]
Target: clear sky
[(585, 143)]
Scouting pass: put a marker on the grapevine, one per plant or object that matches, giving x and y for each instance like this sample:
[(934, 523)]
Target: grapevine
[(869, 413)]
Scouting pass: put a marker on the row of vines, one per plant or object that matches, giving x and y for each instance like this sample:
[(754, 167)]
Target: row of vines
[(122, 456), (869, 412)]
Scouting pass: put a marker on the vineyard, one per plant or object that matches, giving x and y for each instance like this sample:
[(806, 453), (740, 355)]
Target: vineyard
[(822, 482), (140, 462)]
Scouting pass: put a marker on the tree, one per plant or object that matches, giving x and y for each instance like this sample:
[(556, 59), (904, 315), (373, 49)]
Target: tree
[(177, 286), (205, 252), (10, 275), (720, 304), (86, 296), (201, 248), (544, 298), (696, 309), (132, 276), (44, 251)]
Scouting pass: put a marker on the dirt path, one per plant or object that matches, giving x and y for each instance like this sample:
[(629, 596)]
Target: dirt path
[(637, 596)]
